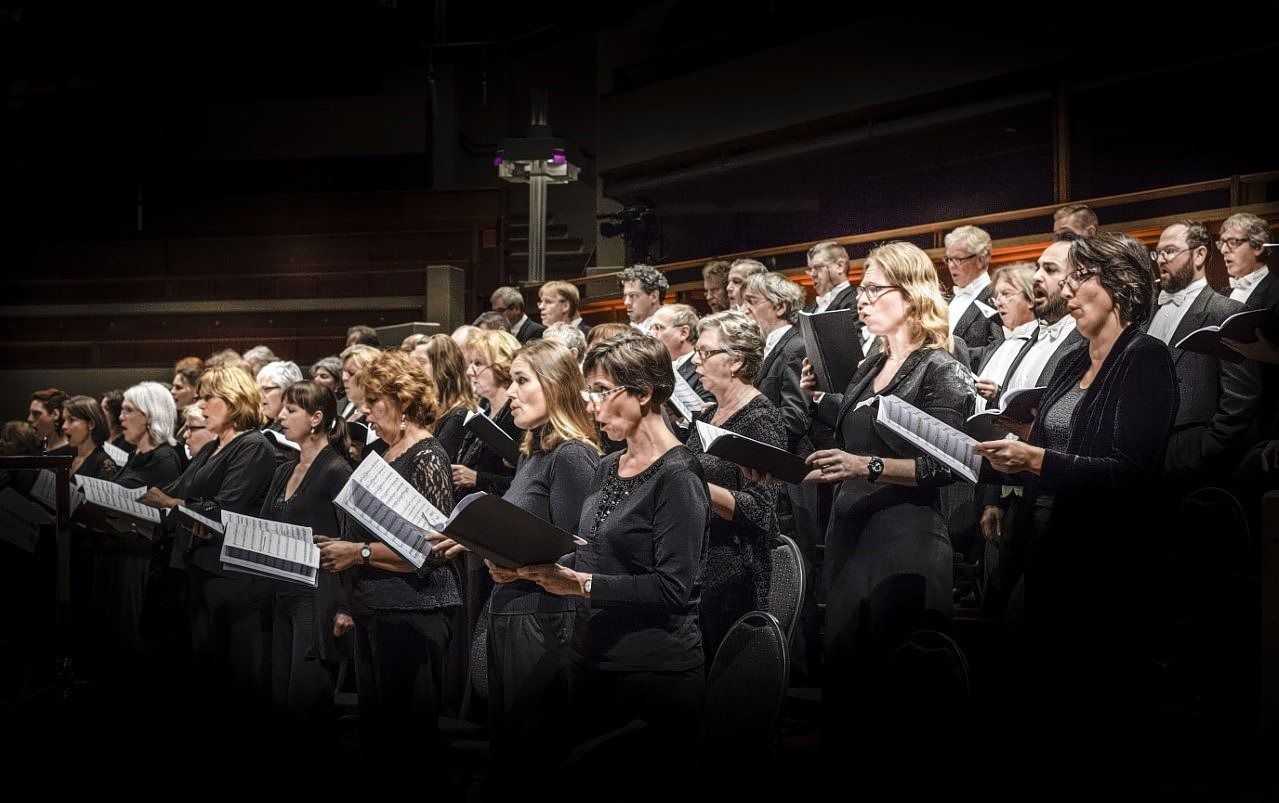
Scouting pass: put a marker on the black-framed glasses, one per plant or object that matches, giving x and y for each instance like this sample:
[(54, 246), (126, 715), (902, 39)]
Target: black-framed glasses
[(1077, 278), (816, 266), (957, 260), (704, 355), (268, 388), (873, 292), (1231, 243), (1169, 253), (598, 396)]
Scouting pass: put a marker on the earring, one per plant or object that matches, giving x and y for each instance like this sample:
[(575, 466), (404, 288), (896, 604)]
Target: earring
[(312, 430), (402, 417)]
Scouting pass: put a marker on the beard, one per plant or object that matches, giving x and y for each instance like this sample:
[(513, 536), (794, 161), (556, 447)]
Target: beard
[(1050, 309), (1178, 279)]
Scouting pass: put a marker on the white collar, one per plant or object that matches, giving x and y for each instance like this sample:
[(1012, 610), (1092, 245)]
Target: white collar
[(1249, 281), (824, 299), (519, 324), (1184, 294), (678, 361), (1022, 332), (775, 336), (576, 321), (1054, 331), (973, 288)]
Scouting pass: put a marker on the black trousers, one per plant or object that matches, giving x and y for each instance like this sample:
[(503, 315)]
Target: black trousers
[(528, 656), (670, 702), (398, 657), (301, 684), (231, 639)]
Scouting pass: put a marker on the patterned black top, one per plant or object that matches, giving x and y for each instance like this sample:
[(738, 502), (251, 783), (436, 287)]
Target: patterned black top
[(435, 584)]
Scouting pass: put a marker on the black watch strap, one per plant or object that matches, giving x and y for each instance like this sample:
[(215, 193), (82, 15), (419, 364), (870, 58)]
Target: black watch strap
[(874, 467)]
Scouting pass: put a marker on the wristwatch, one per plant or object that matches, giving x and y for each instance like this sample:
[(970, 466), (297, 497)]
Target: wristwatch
[(874, 467), (587, 586), (366, 552)]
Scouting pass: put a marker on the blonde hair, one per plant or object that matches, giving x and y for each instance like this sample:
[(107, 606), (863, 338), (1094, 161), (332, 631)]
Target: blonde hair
[(497, 348), (1021, 275), (561, 381), (239, 390), (909, 268), (566, 291)]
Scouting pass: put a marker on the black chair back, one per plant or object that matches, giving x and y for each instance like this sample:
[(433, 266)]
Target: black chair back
[(745, 689), (786, 589)]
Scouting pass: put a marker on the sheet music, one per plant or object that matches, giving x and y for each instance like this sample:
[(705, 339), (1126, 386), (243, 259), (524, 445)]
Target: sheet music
[(279, 438), (117, 455), (936, 438), (707, 433), (387, 506), (272, 548), (685, 398), (187, 512), (118, 498), (20, 520), (45, 489)]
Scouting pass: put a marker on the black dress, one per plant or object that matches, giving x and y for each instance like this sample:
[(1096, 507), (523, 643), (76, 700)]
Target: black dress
[(403, 622), (739, 561), (449, 430), (84, 559), (888, 554), (302, 629)]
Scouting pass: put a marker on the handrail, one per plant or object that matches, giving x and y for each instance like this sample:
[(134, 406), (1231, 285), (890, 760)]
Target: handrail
[(1228, 184)]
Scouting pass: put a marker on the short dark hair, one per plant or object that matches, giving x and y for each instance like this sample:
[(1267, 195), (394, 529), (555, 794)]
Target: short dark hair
[(190, 368), (51, 399), (316, 398), (1086, 215), (639, 362), (650, 278), (368, 335), (1198, 235), (1123, 267), (493, 320)]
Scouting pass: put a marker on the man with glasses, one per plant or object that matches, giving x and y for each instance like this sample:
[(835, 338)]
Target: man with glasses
[(675, 326), (972, 312), (1242, 244), (510, 302), (828, 268), (1218, 398)]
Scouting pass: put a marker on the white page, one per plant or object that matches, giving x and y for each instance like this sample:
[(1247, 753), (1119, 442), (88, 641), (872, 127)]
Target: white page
[(270, 542), (387, 506), (985, 309), (20, 520), (45, 489), (118, 498), (279, 438), (936, 438), (708, 433), (216, 527), (686, 399), (117, 455)]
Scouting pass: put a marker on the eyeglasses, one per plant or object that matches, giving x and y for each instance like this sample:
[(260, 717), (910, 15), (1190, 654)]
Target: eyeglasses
[(127, 409), (598, 396), (1168, 254), (873, 292), (1077, 278), (704, 355), (268, 388), (1008, 294), (957, 260), (816, 266), (1231, 243)]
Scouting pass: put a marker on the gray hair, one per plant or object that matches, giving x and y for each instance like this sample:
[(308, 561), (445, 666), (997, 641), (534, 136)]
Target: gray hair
[(492, 320), (155, 402), (512, 297), (650, 278), (977, 240), (828, 250), (192, 411), (568, 335), (740, 337), (1021, 275), (282, 372), (262, 354), (777, 289), (683, 315), (1254, 228), (331, 364), (750, 267)]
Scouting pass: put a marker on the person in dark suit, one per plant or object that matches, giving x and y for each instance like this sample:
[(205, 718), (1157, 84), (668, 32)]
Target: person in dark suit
[(888, 554), (827, 267), (308, 621), (1216, 418), (1097, 445), (968, 260), (557, 303), (773, 302), (675, 326), (510, 302)]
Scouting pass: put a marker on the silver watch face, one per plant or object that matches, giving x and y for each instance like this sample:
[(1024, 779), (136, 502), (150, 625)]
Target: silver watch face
[(365, 552)]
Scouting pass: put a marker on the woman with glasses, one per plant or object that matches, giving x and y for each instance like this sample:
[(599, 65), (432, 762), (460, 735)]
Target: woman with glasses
[(744, 527), (637, 647), (479, 467), (147, 414), (530, 630), (273, 379), (888, 554), (1014, 301), (230, 612), (1090, 468), (403, 615)]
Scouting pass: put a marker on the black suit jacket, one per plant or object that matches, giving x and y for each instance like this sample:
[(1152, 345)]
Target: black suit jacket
[(585, 328), (778, 379), (531, 330), (975, 328), (1266, 296)]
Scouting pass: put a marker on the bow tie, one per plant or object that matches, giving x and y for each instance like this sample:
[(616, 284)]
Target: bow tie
[(1049, 330), (1243, 282), (1176, 299)]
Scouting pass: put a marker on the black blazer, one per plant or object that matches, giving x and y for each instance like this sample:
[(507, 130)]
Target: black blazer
[(1266, 296), (586, 329), (975, 328), (689, 372), (778, 380), (531, 330), (1218, 398), (491, 473)]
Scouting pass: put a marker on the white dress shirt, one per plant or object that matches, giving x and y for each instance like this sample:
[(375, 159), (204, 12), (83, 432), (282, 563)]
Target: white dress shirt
[(1032, 365), (1171, 308), (823, 301), (515, 330), (643, 326), (1242, 287), (964, 298), (678, 362), (996, 369), (775, 337)]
